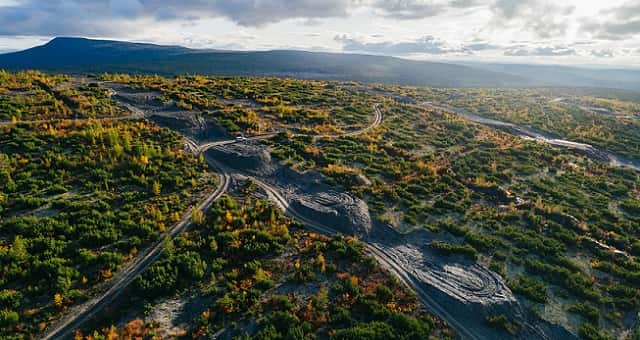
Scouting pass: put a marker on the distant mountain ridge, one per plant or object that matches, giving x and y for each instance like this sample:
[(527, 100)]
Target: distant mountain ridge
[(76, 52), (569, 75), (88, 55)]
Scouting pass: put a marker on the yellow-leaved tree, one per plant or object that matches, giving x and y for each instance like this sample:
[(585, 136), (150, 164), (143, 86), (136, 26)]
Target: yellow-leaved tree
[(57, 300), (156, 188)]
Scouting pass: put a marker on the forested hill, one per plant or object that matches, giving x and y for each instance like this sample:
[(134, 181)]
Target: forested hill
[(86, 55), (79, 55)]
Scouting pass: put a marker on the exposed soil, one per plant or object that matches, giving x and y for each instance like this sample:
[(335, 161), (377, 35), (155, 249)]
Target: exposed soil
[(306, 192), (174, 315), (467, 292), (189, 123)]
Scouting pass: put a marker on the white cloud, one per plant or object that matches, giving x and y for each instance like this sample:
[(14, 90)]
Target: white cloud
[(545, 18), (424, 45), (617, 23), (432, 29), (606, 53), (543, 51)]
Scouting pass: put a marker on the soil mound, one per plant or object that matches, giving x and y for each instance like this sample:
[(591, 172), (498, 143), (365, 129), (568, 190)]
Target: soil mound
[(343, 212), (247, 158), (305, 192)]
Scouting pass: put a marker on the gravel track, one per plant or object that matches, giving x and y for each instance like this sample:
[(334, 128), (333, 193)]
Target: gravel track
[(114, 287), (81, 313), (471, 290), (376, 122), (441, 286), (389, 262), (469, 283), (528, 133)]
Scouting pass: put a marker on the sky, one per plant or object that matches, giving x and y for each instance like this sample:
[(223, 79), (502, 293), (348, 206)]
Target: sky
[(585, 32)]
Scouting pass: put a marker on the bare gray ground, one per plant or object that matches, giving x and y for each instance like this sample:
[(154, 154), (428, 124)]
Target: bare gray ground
[(189, 123), (174, 315), (305, 192), (468, 292)]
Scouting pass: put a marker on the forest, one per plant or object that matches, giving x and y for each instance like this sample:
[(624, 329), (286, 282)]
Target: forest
[(559, 226), (267, 278), (77, 201), (84, 188)]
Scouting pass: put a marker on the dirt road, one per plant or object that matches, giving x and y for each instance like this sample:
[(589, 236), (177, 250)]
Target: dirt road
[(529, 133), (79, 314), (376, 122), (386, 261)]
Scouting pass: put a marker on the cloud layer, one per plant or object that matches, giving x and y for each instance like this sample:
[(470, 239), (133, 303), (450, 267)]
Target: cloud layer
[(618, 23), (425, 45), (76, 17), (106, 17), (459, 28), (546, 19), (545, 51)]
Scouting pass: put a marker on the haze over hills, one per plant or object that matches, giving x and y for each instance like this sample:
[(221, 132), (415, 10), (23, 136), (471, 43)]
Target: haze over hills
[(87, 55), (569, 76)]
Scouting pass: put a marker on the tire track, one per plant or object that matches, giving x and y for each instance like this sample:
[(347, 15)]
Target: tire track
[(387, 262), (81, 313)]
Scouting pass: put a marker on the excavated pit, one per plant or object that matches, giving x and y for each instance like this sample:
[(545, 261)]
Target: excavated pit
[(468, 283), (467, 291)]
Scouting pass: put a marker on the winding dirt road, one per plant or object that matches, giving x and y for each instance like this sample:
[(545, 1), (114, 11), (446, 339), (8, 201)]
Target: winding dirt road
[(529, 133), (386, 261), (79, 314), (204, 147), (376, 122)]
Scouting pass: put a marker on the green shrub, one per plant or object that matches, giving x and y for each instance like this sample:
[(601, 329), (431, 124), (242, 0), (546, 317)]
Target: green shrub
[(503, 323), (371, 331), (588, 331), (530, 288), (588, 311), (8, 318), (449, 249)]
